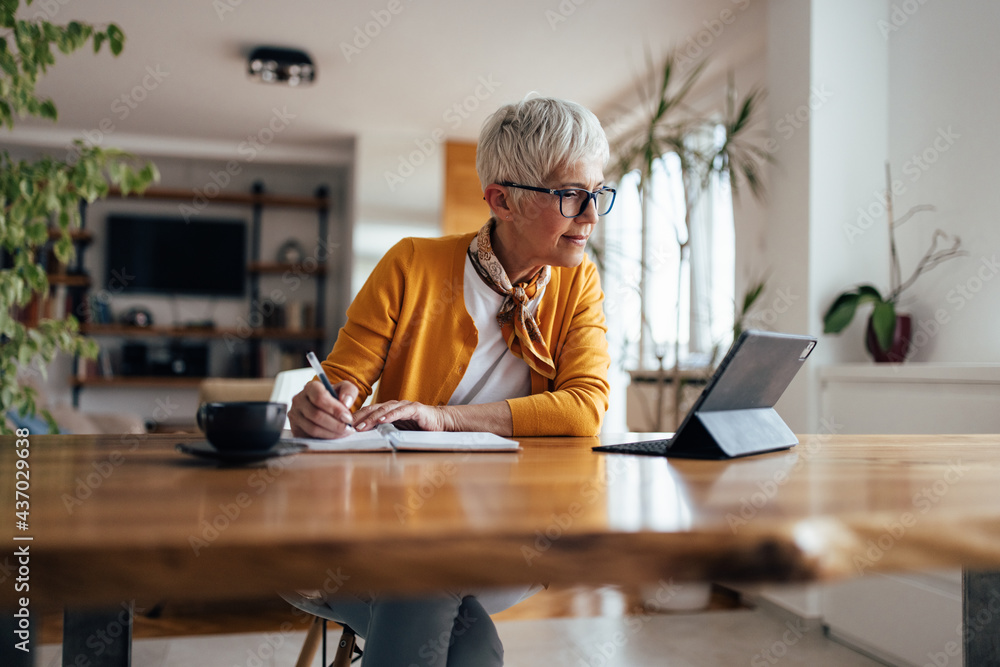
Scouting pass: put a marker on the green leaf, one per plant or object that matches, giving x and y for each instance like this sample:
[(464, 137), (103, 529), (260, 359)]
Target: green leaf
[(884, 324), (840, 313), (752, 295), (45, 191), (50, 420), (116, 38), (869, 294), (48, 110)]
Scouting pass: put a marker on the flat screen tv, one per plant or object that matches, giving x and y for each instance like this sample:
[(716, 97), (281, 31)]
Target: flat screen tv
[(166, 255)]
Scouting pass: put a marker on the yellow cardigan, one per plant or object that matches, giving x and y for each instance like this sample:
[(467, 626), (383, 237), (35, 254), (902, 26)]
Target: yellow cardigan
[(409, 326)]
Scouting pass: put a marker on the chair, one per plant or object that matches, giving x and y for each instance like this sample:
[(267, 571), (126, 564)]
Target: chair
[(213, 390), (346, 647), (287, 384)]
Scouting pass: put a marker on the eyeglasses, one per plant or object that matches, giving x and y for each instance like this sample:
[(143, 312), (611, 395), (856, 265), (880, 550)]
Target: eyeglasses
[(575, 200)]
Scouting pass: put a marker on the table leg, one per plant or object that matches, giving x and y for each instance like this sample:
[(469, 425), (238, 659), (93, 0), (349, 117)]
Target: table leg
[(98, 637), (981, 617)]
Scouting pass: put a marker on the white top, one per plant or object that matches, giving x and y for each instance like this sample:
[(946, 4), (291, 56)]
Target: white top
[(494, 374)]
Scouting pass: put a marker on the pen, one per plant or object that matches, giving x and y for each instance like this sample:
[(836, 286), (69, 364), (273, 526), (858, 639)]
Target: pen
[(314, 362)]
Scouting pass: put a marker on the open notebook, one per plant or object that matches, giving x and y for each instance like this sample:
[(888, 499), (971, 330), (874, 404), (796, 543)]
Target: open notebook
[(388, 438)]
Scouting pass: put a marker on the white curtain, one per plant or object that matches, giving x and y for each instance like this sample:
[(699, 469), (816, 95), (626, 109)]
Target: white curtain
[(713, 270), (645, 307)]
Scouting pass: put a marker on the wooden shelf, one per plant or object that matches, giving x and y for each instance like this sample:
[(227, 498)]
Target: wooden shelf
[(263, 347), (77, 235), (180, 194), (137, 381), (195, 332), (283, 267), (70, 280)]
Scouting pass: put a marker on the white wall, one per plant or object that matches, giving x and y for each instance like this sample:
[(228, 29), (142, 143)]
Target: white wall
[(786, 238), (943, 142), (906, 81), (827, 78), (400, 196)]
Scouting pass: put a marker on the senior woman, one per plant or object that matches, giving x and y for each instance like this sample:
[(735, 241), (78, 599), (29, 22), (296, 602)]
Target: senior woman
[(500, 330)]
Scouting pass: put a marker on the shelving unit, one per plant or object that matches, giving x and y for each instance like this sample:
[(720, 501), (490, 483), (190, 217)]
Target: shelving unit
[(257, 200), (282, 267), (67, 284), (121, 330), (165, 381)]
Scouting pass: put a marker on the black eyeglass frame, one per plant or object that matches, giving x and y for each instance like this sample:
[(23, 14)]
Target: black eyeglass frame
[(583, 207)]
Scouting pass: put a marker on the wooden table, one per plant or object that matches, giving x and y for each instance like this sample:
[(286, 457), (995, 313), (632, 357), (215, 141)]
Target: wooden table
[(123, 517)]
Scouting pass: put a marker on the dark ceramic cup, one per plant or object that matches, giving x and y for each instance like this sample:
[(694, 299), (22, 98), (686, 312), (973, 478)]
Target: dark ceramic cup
[(242, 426)]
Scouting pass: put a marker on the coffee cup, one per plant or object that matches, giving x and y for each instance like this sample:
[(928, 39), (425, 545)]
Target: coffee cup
[(242, 426)]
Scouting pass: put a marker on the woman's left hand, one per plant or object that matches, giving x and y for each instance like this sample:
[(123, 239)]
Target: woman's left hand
[(406, 414)]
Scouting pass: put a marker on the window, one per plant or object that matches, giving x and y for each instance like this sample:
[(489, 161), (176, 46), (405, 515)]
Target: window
[(691, 287)]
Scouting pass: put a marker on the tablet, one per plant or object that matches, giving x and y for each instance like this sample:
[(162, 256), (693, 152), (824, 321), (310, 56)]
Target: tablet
[(734, 415)]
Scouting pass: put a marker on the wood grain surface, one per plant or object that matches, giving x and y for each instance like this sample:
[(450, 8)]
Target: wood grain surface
[(122, 517)]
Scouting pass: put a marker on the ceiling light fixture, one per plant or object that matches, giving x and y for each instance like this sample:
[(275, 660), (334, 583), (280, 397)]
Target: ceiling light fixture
[(271, 64)]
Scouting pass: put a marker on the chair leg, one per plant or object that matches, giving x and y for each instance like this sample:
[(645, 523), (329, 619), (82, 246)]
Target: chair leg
[(345, 649), (311, 645)]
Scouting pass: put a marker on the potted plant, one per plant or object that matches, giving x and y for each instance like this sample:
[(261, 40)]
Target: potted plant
[(673, 126), (40, 199), (887, 336)]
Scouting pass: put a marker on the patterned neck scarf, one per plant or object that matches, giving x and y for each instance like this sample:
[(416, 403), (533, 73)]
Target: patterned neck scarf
[(517, 325)]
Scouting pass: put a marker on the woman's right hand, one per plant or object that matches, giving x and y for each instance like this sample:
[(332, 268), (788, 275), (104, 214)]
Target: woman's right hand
[(315, 413)]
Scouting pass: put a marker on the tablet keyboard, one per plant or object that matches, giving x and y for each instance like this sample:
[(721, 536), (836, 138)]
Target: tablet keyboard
[(647, 448)]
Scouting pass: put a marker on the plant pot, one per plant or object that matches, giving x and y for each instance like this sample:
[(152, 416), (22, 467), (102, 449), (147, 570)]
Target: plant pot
[(896, 354)]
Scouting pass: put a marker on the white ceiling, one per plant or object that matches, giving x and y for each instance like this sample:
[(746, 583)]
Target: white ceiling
[(426, 58)]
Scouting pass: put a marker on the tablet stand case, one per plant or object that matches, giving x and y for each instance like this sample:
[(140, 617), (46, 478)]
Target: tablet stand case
[(724, 434)]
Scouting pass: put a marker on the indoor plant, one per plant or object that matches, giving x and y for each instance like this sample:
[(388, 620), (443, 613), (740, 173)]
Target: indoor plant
[(39, 200), (888, 331), (671, 125)]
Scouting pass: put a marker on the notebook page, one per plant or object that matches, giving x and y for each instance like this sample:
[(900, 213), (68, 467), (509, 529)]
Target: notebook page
[(366, 441), (448, 441)]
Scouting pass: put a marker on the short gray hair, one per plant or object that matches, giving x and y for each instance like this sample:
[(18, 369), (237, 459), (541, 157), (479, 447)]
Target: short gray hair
[(529, 141)]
